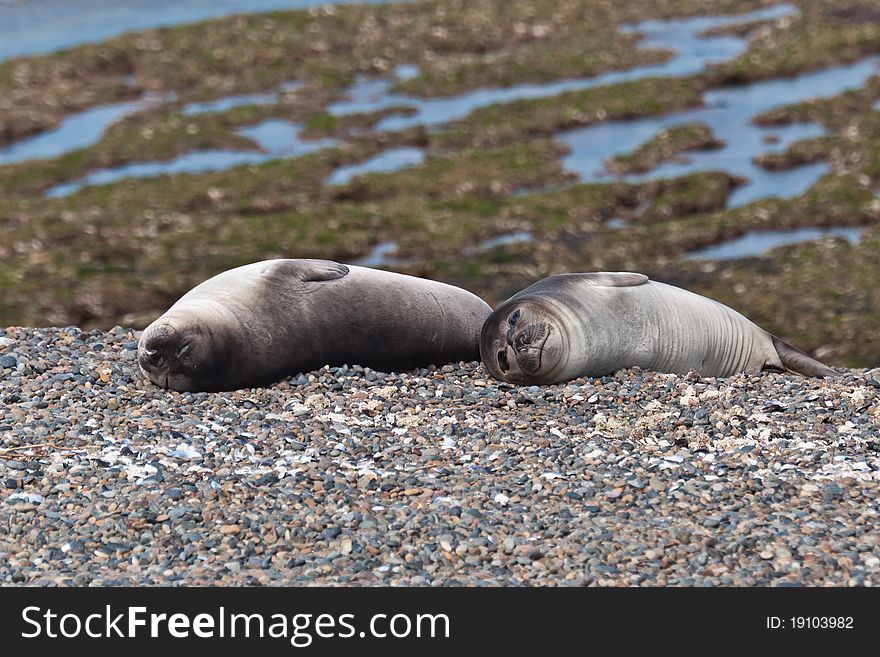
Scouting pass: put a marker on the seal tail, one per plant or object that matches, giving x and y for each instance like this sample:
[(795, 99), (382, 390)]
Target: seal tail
[(797, 362)]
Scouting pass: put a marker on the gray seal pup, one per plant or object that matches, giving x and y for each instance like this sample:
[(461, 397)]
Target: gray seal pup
[(253, 325), (592, 324)]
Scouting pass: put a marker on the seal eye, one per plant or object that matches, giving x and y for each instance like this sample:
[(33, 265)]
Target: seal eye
[(183, 356), (514, 317), (502, 361)]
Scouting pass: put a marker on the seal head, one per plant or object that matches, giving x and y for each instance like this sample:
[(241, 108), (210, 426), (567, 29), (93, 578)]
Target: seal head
[(524, 342), (182, 355)]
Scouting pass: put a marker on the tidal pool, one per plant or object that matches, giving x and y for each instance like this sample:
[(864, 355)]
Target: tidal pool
[(78, 130), (230, 102), (276, 139), (388, 161), (692, 53), (518, 237), (755, 243), (382, 255), (728, 112), (86, 128)]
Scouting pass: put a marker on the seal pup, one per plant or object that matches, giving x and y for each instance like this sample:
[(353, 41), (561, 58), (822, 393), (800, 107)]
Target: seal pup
[(253, 325), (591, 324)]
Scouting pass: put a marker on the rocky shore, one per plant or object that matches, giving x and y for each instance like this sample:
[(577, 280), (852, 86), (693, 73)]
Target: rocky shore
[(443, 476)]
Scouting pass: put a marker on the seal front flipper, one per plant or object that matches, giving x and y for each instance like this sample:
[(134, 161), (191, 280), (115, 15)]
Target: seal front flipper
[(797, 362), (306, 271), (608, 278)]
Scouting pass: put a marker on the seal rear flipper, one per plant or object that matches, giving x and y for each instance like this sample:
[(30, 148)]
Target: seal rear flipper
[(609, 278), (797, 362), (306, 271)]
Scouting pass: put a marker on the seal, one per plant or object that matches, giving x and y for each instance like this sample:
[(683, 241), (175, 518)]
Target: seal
[(253, 325), (592, 324)]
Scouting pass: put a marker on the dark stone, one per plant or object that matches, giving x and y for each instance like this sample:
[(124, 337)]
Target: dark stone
[(331, 532)]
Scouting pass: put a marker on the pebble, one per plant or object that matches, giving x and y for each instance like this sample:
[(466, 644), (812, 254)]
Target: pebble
[(430, 477)]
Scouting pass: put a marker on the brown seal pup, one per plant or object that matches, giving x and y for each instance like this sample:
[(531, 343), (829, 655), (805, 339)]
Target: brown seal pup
[(253, 325), (592, 324)]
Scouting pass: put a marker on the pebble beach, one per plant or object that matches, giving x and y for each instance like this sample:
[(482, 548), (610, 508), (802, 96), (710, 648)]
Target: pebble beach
[(435, 477)]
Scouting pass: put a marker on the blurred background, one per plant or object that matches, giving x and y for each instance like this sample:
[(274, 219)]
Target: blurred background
[(730, 147)]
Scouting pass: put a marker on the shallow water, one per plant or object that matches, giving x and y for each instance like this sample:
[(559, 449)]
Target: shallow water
[(86, 128), (40, 26), (75, 131), (756, 243), (382, 255), (368, 95), (728, 112), (230, 102), (692, 55), (505, 240), (277, 140), (386, 162)]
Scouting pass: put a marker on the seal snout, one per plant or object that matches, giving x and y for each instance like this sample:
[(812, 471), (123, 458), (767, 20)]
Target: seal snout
[(529, 344), (158, 343)]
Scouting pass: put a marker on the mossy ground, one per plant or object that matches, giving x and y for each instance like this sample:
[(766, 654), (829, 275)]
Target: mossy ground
[(669, 143), (121, 253)]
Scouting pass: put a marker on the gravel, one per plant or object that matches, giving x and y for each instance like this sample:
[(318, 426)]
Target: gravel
[(442, 476)]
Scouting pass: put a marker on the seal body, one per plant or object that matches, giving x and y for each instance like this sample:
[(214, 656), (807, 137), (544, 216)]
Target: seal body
[(253, 325), (591, 324)]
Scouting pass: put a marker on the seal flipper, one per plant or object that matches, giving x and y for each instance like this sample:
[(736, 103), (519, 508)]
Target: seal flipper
[(306, 271), (610, 278), (797, 362)]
